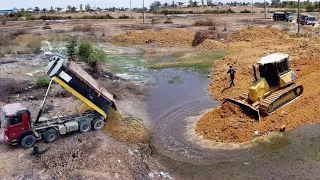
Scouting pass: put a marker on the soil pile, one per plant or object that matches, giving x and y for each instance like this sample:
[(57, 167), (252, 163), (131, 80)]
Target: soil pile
[(211, 45), (256, 33), (166, 37), (227, 119), (125, 129), (303, 60)]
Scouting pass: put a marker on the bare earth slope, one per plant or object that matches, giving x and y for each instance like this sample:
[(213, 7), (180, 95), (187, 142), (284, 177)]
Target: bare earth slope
[(246, 47)]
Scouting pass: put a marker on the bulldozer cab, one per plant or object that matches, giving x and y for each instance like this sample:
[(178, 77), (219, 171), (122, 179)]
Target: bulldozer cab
[(272, 67)]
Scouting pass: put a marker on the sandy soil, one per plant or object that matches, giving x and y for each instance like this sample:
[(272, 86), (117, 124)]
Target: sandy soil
[(246, 47)]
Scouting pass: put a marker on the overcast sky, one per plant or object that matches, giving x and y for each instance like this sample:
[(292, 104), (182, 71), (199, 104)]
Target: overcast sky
[(9, 4)]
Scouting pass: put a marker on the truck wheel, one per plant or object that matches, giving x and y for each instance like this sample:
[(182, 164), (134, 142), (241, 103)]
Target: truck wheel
[(50, 136), (97, 124), (84, 126), (28, 141)]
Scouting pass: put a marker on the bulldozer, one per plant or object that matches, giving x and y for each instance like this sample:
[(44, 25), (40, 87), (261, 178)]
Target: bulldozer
[(274, 88)]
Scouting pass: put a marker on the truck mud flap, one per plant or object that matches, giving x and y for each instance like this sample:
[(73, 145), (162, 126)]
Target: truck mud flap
[(246, 108)]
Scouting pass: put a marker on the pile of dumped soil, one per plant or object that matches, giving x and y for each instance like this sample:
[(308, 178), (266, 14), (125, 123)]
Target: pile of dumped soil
[(125, 129), (211, 45), (166, 37), (255, 33), (303, 60), (227, 119)]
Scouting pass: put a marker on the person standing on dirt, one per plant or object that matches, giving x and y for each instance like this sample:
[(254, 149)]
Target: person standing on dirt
[(232, 72)]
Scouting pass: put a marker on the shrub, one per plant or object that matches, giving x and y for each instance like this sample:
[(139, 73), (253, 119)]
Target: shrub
[(208, 22), (35, 45), (42, 82), (19, 32), (95, 57), (202, 35), (84, 51), (5, 39), (71, 47), (83, 28), (124, 17), (245, 11), (4, 21)]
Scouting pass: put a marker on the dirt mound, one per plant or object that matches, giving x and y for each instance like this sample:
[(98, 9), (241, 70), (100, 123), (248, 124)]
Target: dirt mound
[(303, 60), (211, 45), (256, 33), (125, 129), (228, 123), (166, 37), (202, 35)]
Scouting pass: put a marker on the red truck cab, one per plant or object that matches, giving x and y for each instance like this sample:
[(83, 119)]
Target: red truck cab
[(15, 123)]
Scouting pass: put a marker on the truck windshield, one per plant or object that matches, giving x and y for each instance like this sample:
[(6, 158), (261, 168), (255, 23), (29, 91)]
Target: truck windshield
[(290, 14), (4, 121)]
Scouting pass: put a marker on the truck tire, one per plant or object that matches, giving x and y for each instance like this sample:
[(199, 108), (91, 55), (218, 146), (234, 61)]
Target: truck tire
[(28, 141), (84, 126), (50, 136), (97, 124)]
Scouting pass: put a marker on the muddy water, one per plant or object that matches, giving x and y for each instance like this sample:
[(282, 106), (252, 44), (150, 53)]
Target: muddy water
[(173, 88)]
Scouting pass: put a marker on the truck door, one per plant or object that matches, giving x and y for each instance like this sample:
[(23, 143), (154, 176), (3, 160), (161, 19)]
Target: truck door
[(18, 124)]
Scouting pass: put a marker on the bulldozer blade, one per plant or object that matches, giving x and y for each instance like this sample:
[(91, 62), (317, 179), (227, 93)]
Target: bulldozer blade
[(250, 111)]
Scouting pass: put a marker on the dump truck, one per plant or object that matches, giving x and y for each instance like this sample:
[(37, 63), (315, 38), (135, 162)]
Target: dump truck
[(307, 20), (18, 127), (274, 88), (283, 16)]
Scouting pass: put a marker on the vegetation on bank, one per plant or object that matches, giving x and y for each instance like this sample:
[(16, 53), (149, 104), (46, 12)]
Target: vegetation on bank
[(201, 62)]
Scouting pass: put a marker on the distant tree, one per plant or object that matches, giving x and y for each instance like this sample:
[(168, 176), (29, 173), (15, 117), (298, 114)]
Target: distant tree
[(275, 3), (72, 47), (194, 4), (22, 10), (309, 7), (165, 5), (69, 8), (44, 10), (88, 8), (202, 2), (81, 8), (180, 4), (37, 9), (155, 5), (210, 3), (73, 9), (173, 5)]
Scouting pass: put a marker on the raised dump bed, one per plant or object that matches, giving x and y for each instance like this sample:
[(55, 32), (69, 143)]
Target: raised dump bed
[(74, 79)]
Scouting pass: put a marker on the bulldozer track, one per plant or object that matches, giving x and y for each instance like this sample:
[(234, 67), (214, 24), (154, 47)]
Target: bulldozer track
[(273, 101)]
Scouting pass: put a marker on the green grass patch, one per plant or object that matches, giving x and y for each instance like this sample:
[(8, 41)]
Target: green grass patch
[(175, 80), (200, 62)]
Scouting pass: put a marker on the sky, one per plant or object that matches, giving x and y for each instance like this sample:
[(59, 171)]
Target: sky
[(9, 4)]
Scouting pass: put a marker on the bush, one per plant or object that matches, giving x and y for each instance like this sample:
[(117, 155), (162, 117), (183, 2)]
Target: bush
[(95, 57), (208, 22), (4, 21), (35, 45), (84, 51), (245, 11), (71, 47), (124, 17), (42, 82), (19, 32), (83, 28), (5, 39), (202, 35)]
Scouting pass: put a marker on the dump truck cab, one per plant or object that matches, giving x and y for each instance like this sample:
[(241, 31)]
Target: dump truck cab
[(308, 20), (274, 74), (283, 16), (15, 122)]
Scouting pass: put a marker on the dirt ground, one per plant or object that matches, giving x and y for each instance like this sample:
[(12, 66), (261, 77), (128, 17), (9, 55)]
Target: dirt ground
[(117, 154), (246, 47)]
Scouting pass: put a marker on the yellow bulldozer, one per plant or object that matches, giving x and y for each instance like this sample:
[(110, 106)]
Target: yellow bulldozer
[(273, 89)]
